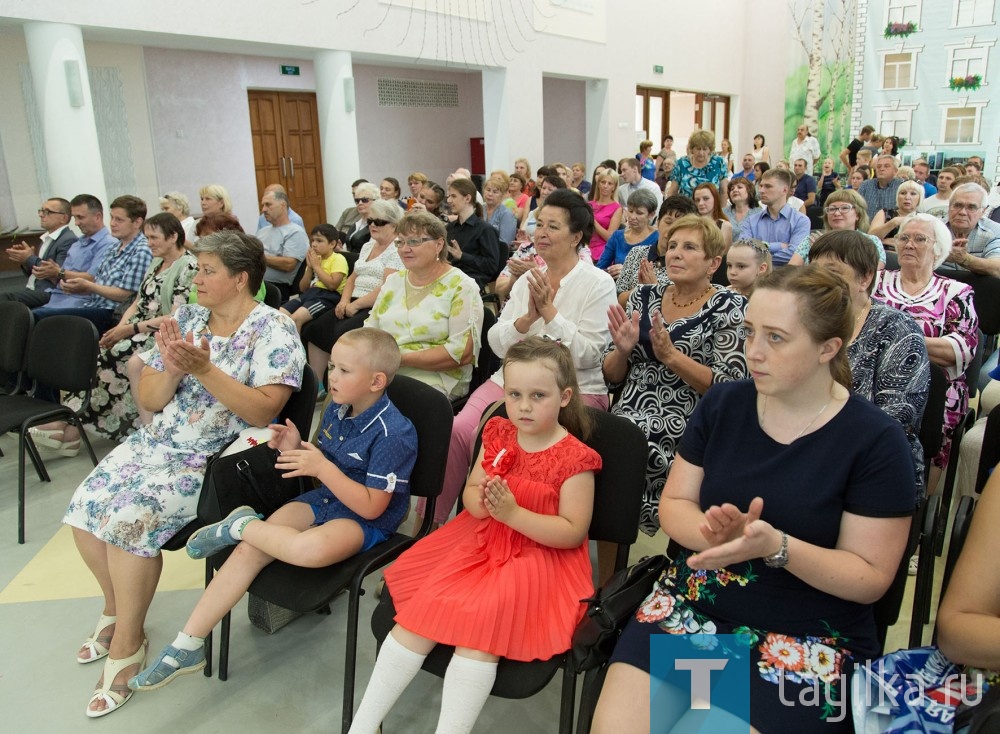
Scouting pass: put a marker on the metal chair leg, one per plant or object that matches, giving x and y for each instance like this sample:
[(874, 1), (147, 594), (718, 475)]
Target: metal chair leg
[(209, 572), (224, 648), (351, 654)]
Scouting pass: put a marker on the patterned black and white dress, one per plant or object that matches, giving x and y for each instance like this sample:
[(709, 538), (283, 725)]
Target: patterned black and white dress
[(660, 402), (890, 367)]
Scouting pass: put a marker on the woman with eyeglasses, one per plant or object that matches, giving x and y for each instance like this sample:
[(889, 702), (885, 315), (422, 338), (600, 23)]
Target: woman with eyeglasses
[(944, 311), (844, 210), (364, 194), (377, 261), (433, 310)]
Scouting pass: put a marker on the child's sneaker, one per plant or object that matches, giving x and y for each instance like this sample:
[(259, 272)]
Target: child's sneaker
[(213, 538), (169, 664)]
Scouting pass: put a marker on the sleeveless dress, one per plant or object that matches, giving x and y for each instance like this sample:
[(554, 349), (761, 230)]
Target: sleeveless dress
[(478, 583)]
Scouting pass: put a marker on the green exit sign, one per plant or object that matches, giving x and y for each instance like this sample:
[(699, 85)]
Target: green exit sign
[(657, 69), (294, 70)]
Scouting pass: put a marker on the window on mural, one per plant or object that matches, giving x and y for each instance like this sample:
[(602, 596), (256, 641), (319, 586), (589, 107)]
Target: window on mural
[(897, 71), (895, 122), (904, 11), (967, 62), (960, 124), (973, 12)]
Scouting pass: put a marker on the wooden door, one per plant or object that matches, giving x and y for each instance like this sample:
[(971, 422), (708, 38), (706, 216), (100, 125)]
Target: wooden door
[(284, 128)]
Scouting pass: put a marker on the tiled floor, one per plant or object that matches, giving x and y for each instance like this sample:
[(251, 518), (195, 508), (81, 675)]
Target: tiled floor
[(291, 680)]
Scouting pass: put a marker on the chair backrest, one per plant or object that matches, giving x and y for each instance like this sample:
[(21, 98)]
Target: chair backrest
[(272, 296), (487, 363), (959, 531), (985, 297), (932, 424), (302, 404), (17, 322), (619, 486), (891, 260), (63, 353), (989, 457), (352, 259), (430, 412)]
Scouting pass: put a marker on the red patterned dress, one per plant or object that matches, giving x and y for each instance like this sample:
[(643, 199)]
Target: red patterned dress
[(478, 583)]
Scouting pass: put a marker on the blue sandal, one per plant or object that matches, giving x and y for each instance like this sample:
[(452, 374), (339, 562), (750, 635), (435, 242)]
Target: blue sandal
[(169, 664), (211, 539)]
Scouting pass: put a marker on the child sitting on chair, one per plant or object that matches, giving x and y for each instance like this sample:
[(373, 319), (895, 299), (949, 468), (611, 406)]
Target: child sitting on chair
[(366, 452), (323, 279)]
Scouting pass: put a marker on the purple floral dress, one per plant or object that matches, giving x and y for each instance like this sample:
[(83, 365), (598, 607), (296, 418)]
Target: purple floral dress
[(147, 488), (943, 309)]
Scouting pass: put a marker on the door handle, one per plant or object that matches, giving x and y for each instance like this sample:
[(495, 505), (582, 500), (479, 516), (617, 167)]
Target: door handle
[(292, 164), (282, 166)]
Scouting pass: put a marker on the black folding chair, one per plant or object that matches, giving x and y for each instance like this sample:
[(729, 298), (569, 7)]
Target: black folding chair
[(485, 366), (618, 489), (17, 321), (48, 363), (306, 590), (272, 295)]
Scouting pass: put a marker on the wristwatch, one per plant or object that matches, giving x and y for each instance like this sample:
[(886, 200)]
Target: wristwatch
[(62, 273), (779, 559)]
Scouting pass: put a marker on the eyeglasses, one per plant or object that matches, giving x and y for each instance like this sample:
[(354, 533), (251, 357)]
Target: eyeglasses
[(839, 209), (414, 243), (957, 205), (362, 200), (917, 239), (47, 212), (377, 222)]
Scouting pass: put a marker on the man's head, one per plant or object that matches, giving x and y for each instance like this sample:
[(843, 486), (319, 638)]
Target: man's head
[(774, 187), (747, 163), (53, 214), (802, 131), (271, 188), (628, 169), (921, 169), (274, 207), (885, 169), (973, 167), (866, 133), (88, 214), (965, 207), (799, 166), (127, 216)]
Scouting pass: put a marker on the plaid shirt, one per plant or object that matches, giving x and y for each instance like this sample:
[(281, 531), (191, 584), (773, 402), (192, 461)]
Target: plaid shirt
[(122, 267), (878, 198)]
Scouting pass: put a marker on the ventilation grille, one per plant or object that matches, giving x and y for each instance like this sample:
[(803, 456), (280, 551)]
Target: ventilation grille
[(416, 93)]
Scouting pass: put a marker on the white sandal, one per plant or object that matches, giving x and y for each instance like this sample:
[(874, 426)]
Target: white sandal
[(93, 644), (112, 699)]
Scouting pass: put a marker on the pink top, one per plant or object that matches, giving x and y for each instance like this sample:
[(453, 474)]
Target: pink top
[(602, 215)]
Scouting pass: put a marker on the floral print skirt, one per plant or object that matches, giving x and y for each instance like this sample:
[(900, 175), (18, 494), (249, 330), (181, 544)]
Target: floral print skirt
[(797, 684)]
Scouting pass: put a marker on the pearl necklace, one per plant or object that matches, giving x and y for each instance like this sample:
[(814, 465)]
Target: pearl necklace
[(673, 297), (763, 412)]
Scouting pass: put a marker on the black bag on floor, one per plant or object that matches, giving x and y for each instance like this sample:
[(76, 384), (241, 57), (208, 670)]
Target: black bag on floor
[(247, 477), (610, 609)]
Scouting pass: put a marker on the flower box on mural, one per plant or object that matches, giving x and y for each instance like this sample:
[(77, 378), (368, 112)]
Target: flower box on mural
[(900, 30), (973, 81)]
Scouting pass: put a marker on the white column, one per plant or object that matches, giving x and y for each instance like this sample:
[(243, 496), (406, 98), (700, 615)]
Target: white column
[(598, 139), (512, 117), (338, 129), (65, 107)]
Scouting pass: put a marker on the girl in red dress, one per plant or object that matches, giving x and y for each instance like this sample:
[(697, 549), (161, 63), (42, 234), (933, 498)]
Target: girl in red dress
[(504, 578)]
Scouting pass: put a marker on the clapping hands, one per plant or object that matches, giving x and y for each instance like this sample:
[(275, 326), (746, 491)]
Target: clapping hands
[(181, 355)]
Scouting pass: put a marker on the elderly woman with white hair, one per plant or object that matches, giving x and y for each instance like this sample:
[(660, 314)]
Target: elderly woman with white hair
[(944, 311), (885, 223), (364, 194), (174, 202)]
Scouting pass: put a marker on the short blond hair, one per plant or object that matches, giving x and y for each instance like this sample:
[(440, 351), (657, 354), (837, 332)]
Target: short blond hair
[(381, 353)]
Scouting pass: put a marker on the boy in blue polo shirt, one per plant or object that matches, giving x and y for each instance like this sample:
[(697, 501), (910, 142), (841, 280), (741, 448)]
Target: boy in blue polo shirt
[(366, 453)]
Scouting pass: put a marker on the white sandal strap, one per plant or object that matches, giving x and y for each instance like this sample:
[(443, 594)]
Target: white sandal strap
[(112, 668)]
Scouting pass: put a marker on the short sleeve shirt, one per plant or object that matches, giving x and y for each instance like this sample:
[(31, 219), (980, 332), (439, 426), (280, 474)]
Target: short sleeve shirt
[(121, 268), (378, 449)]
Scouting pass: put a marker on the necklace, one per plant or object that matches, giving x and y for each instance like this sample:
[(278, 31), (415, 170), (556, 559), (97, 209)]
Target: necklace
[(763, 412), (673, 297)]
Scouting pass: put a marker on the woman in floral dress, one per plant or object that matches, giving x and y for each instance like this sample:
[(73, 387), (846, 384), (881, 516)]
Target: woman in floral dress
[(221, 366), (112, 411), (778, 489)]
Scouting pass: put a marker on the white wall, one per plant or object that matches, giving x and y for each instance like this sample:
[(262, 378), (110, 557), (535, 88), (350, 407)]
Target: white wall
[(565, 115)]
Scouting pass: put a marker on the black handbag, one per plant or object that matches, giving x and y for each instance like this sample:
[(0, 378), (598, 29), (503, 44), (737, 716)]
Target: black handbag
[(982, 718), (610, 609), (247, 477)]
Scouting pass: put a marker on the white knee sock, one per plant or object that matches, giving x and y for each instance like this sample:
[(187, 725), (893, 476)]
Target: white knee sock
[(467, 685), (394, 669)]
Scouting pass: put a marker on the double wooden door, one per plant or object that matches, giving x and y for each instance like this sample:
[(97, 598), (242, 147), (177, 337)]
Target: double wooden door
[(286, 150)]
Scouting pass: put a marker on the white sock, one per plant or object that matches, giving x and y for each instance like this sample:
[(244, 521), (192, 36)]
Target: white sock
[(237, 528), (395, 667), (184, 641), (467, 685)]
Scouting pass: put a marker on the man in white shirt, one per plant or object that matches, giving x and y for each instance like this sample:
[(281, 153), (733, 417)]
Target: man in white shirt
[(806, 147), (632, 180), (54, 216)]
